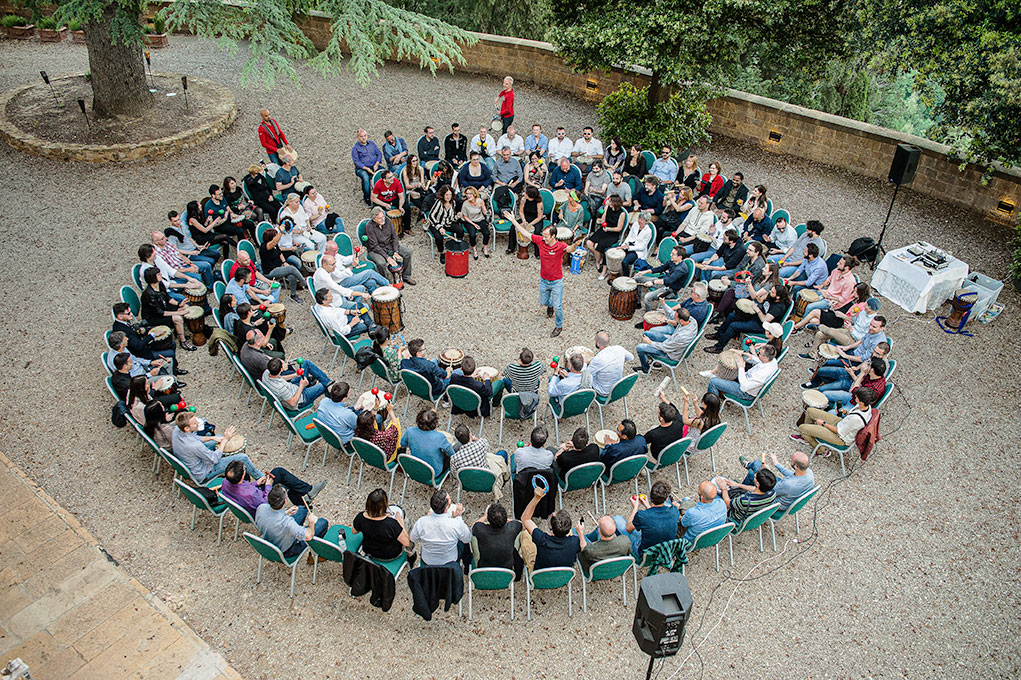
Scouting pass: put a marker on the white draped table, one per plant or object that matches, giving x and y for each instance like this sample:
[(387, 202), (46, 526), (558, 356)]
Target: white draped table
[(916, 288)]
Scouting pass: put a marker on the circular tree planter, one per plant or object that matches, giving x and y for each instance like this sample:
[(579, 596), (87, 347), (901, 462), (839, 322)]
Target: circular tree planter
[(31, 121)]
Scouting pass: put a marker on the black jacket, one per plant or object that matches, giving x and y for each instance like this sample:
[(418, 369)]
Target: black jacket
[(727, 197), (429, 585), (523, 493), (138, 344), (480, 387), (364, 575)]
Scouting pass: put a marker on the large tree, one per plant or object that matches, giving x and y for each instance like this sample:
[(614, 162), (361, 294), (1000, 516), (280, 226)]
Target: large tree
[(372, 31)]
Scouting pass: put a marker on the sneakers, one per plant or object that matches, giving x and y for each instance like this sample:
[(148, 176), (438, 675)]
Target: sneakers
[(805, 355), (638, 369), (707, 374), (797, 438), (556, 332), (188, 347), (807, 385), (640, 325), (316, 488), (296, 299), (744, 461)]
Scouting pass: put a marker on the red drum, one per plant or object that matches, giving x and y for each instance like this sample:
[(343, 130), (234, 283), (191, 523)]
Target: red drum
[(457, 259)]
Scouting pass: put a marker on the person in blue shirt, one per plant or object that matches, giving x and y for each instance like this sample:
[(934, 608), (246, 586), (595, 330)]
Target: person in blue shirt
[(427, 368), (811, 272), (758, 225), (709, 512), (651, 197), (367, 159), (536, 141), (664, 167), (428, 444), (654, 524), (395, 152), (631, 444), (565, 176), (337, 415), (565, 382)]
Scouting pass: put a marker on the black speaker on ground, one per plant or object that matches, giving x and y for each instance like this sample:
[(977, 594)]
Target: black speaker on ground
[(905, 163), (664, 605)]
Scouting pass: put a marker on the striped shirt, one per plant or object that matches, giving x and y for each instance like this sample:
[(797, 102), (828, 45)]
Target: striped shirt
[(523, 378), (749, 503)]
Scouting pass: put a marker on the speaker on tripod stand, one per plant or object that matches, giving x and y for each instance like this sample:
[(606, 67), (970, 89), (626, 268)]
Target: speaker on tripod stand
[(902, 171)]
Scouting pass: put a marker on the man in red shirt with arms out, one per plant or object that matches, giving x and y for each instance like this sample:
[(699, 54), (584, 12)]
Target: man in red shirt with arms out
[(271, 136), (507, 107), (551, 269)]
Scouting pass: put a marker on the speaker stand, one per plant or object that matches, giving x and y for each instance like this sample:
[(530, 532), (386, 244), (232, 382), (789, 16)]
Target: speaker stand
[(878, 251), (648, 672)]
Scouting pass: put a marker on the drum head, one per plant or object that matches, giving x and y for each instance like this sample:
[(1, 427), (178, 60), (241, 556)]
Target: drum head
[(276, 307), (385, 294), (560, 195), (746, 306), (394, 213), (564, 234), (814, 398), (235, 443), (194, 312), (604, 437), (496, 125), (452, 354), (658, 318), (585, 352), (717, 285), (309, 256), (828, 351), (197, 289), (625, 283), (487, 372), (811, 295), (730, 358), (160, 332)]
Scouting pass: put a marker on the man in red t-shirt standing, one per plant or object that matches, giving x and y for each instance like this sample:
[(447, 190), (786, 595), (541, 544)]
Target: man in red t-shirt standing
[(271, 136), (507, 107), (551, 269)]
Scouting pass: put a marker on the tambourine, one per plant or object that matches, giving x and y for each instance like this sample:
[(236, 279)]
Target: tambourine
[(539, 480)]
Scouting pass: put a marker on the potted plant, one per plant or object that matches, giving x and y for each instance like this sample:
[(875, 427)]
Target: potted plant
[(156, 33), (77, 34), (18, 27), (49, 31)]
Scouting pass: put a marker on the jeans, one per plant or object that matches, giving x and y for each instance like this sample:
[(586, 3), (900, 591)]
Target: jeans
[(273, 158), (204, 273), (366, 179), (731, 329), (646, 353), (785, 272), (368, 278), (701, 257), (660, 333), (652, 299), (322, 526), (709, 274), (221, 465), (382, 266), (332, 224), (731, 387), (551, 294), (820, 305), (291, 275), (296, 488), (310, 394), (317, 382), (837, 396)]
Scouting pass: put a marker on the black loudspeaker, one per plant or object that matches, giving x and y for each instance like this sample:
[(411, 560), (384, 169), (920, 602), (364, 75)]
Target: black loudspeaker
[(905, 163), (664, 605)]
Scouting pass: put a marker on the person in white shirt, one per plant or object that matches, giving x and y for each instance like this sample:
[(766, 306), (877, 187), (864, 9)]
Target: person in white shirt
[(302, 234), (717, 231), (148, 258), (443, 535), (699, 220), (343, 270), (587, 145), (337, 319), (607, 366), (560, 146), (781, 238), (513, 141), (749, 381), (317, 208), (483, 143), (343, 296), (637, 243)]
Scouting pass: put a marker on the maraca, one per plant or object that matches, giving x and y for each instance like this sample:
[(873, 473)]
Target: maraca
[(521, 444), (181, 405), (274, 285), (327, 206), (375, 391), (262, 308), (364, 238), (192, 409), (388, 396), (358, 249), (300, 371), (553, 365), (556, 359), (266, 315), (210, 211), (173, 408), (299, 361)]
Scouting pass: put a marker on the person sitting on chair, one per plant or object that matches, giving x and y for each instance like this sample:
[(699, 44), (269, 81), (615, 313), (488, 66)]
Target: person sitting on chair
[(442, 533), (757, 226), (482, 144), (140, 340), (607, 366), (836, 291), (337, 319), (395, 152), (476, 174), (812, 271), (429, 145), (534, 456), (831, 428), (565, 176), (586, 145), (665, 168), (320, 217), (652, 524), (603, 543), (442, 220), (203, 456), (252, 286), (473, 452), (669, 430), (793, 482), (428, 444), (675, 276), (427, 368), (557, 550), (743, 500), (385, 248), (250, 494), (749, 382), (298, 392), (793, 257), (508, 172), (630, 444), (574, 452), (337, 415), (455, 146), (565, 382), (384, 536), (709, 513), (523, 376), (773, 309), (672, 347), (494, 537), (367, 160), (159, 308), (726, 258), (513, 141), (388, 193), (291, 529), (650, 197), (270, 335), (484, 388), (782, 237)]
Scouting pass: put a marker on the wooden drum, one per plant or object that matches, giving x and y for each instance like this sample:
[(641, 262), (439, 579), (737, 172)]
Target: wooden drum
[(396, 218), (565, 235), (716, 290), (450, 357), (805, 298), (196, 294), (195, 317), (727, 368), (387, 307), (623, 298), (559, 198), (278, 311), (308, 262)]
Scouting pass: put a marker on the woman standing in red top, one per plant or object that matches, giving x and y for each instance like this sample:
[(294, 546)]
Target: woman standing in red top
[(507, 107)]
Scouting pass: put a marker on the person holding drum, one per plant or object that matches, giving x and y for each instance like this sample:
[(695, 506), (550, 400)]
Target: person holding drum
[(530, 215), (699, 219), (749, 381), (565, 176), (757, 226), (607, 234), (755, 288), (385, 248), (854, 326), (696, 305), (741, 321), (317, 208), (455, 146), (276, 267), (141, 342), (159, 308), (637, 243), (574, 452), (203, 456), (833, 429), (388, 193), (468, 378), (836, 291), (475, 216), (726, 259)]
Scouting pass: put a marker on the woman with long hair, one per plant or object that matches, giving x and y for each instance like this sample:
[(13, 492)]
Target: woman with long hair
[(262, 195), (704, 416), (689, 172), (614, 155), (390, 351), (607, 233), (475, 215), (385, 437), (635, 164), (443, 219), (531, 216), (228, 315)]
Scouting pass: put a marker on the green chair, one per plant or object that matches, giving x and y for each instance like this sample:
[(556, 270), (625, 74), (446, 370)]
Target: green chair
[(378, 369), (750, 523), (671, 364), (618, 392), (574, 404), (329, 547), (887, 391), (332, 440), (792, 509), (712, 538), (626, 470), (500, 224), (490, 578), (510, 408), (475, 480), (666, 246), (136, 276), (418, 386), (468, 401), (297, 425), (650, 158), (349, 348), (777, 214), (583, 476), (635, 183), (109, 387), (241, 516), (891, 366), (345, 247), (707, 440), (225, 268), (769, 206), (219, 288), (373, 456), (606, 570), (247, 381), (199, 502), (839, 449), (269, 552), (421, 472), (549, 579), (671, 455), (244, 245), (548, 203), (130, 296), (747, 404), (260, 231), (104, 359), (800, 229)]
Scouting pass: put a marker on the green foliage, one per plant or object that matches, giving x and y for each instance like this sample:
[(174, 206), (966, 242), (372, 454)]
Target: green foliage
[(12, 20), (518, 18), (34, 6), (46, 23), (682, 121), (74, 25), (159, 25)]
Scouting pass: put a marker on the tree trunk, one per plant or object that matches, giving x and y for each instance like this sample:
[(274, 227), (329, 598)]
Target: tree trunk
[(658, 92), (118, 74)]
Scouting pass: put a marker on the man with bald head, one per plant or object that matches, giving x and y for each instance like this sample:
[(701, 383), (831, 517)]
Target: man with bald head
[(343, 270), (708, 513), (603, 543), (607, 366), (791, 483), (271, 136), (367, 159)]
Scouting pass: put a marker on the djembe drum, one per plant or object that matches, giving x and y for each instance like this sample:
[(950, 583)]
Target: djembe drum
[(623, 298), (615, 262), (387, 308), (195, 318)]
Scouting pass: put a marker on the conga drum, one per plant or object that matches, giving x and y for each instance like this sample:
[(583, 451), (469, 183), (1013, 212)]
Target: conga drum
[(387, 308), (745, 310), (308, 262), (727, 367), (429, 165), (235, 444), (653, 319), (195, 318), (196, 294), (614, 262), (565, 235), (623, 298), (278, 311), (828, 352), (716, 290), (396, 218), (805, 298), (814, 399), (559, 198), (450, 357)]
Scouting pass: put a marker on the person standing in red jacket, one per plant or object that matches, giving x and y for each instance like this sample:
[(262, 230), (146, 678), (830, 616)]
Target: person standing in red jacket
[(271, 136), (507, 107)]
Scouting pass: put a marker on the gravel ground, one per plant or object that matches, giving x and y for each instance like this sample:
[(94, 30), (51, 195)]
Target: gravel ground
[(897, 583)]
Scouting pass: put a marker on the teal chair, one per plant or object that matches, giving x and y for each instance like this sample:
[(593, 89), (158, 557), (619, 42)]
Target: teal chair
[(467, 400), (378, 370), (548, 203), (618, 392), (199, 502), (298, 425), (332, 441), (769, 206), (606, 570), (225, 268), (260, 231), (670, 455), (891, 366), (373, 456), (712, 538), (747, 404), (241, 516), (502, 225), (581, 477), (269, 552), (395, 566), (671, 364), (421, 472), (348, 348), (136, 276), (840, 450), (490, 578), (109, 386), (666, 246), (705, 442), (549, 579), (800, 229), (574, 404), (130, 296), (510, 408), (792, 509), (751, 523), (635, 183), (244, 245), (329, 547), (887, 391), (104, 359), (626, 470), (650, 158), (777, 214), (418, 386), (475, 480), (219, 288)]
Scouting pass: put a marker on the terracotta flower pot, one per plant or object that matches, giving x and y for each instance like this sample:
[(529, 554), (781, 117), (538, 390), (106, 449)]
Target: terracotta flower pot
[(26, 32), (157, 40), (78, 37), (52, 34)]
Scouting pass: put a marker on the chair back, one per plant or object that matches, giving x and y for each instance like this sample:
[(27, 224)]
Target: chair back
[(327, 549), (551, 577), (219, 288), (622, 387), (672, 453), (343, 241), (179, 467), (360, 231), (711, 537), (217, 318), (650, 158), (610, 568), (666, 246), (769, 383), (248, 247), (260, 231), (634, 183), (800, 229), (417, 384), (710, 437), (345, 345), (371, 454), (626, 470), (130, 296), (576, 403), (582, 476), (891, 366), (548, 202), (290, 416), (698, 335), (109, 386), (887, 391), (225, 267), (245, 375), (197, 499), (418, 469), (476, 479), (788, 328), (799, 502), (499, 216), (491, 578), (329, 436), (463, 398), (237, 510), (511, 405), (379, 368), (136, 276), (780, 213), (756, 519), (266, 550), (104, 357), (769, 206)]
